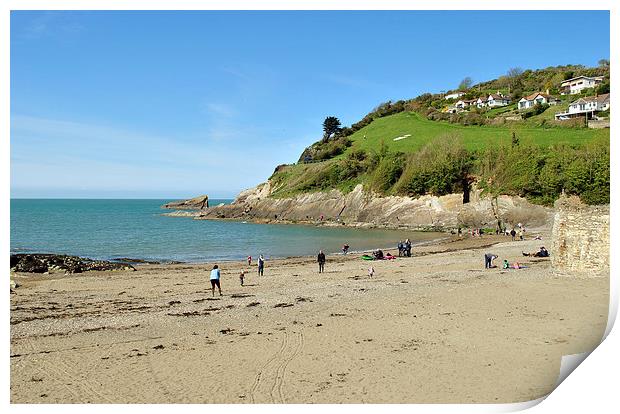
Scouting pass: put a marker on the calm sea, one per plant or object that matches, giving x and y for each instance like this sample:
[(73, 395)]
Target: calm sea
[(107, 229)]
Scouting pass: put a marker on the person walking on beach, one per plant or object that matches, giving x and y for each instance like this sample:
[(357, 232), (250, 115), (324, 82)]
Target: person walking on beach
[(371, 271), (488, 260), (261, 265), (249, 260), (513, 233), (321, 259), (241, 277), (215, 280)]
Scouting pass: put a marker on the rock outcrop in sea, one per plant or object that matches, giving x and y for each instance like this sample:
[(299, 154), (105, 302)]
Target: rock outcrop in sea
[(49, 263), (196, 203)]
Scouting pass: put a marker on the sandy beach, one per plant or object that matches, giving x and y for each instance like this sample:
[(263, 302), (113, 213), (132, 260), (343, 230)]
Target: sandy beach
[(433, 328)]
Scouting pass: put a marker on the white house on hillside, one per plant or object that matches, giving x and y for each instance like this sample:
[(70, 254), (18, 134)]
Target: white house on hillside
[(481, 102), (537, 97), (464, 103), (454, 95), (576, 85), (587, 106), (497, 99)]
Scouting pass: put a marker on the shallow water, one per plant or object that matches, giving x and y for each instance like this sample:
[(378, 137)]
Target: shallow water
[(107, 229)]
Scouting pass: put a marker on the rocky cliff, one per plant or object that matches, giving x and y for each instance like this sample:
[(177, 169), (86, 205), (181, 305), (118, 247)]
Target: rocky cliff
[(362, 209)]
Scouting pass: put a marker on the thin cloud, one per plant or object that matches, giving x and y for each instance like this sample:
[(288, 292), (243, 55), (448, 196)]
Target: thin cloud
[(47, 24), (350, 81), (220, 110)]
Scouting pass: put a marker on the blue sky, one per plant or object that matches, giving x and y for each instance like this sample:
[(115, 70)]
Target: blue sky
[(169, 104)]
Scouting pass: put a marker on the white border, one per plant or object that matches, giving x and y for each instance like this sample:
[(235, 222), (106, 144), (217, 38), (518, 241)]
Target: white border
[(592, 388)]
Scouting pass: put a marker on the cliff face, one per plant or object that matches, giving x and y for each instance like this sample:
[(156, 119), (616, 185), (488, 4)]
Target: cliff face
[(362, 209)]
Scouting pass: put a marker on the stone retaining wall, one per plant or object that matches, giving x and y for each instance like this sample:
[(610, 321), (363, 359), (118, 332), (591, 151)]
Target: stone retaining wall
[(580, 237)]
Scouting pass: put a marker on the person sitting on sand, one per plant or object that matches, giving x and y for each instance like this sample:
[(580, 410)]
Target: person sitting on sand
[(215, 280), (488, 260), (345, 249), (241, 277), (321, 260), (506, 265), (540, 253), (371, 271)]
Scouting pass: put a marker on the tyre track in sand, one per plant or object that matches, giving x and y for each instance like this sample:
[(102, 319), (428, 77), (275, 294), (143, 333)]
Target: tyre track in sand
[(281, 372), (264, 370), (269, 380)]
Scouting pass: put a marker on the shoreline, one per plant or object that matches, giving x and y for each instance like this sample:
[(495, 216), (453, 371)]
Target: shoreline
[(467, 241), (436, 327)]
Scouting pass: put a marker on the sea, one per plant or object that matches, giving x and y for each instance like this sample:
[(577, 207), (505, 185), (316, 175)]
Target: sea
[(112, 229)]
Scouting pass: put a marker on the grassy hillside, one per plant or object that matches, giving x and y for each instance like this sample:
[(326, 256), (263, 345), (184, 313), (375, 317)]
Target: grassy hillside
[(440, 158), (413, 147), (474, 137)]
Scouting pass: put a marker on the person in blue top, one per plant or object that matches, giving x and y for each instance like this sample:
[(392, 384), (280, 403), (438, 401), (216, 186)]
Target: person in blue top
[(215, 280)]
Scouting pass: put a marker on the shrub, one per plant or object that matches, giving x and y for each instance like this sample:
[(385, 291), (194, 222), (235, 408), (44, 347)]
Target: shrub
[(541, 174), (387, 172), (439, 168)]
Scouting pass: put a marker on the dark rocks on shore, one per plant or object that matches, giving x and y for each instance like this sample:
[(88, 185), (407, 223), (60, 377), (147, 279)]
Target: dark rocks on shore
[(137, 261), (43, 263)]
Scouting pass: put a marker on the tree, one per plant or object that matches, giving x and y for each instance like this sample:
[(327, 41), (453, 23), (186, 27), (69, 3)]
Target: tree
[(604, 63), (465, 83), (331, 125), (514, 73)]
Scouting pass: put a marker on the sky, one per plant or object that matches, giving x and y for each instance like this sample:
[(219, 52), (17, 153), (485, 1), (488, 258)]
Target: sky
[(165, 104)]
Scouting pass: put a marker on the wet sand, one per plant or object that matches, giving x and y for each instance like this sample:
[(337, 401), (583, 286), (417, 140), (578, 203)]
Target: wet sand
[(436, 327)]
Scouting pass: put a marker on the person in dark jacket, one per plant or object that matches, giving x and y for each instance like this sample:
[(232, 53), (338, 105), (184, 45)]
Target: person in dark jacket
[(321, 259)]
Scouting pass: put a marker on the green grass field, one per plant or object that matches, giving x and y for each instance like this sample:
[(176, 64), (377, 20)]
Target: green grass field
[(423, 131)]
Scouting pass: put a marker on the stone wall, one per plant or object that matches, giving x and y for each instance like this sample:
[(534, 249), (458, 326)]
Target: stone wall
[(580, 237)]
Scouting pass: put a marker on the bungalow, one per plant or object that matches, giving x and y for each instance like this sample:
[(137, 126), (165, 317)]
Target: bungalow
[(497, 99), (587, 106), (576, 85), (464, 103), (454, 95), (537, 98), (481, 102)]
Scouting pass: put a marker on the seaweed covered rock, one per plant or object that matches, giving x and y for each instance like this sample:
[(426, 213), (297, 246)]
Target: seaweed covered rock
[(44, 263)]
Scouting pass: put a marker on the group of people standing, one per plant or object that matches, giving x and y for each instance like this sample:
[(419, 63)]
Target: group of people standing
[(404, 248)]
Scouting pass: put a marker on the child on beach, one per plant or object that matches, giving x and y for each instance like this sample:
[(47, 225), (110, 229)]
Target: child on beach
[(371, 271), (215, 280), (241, 277)]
